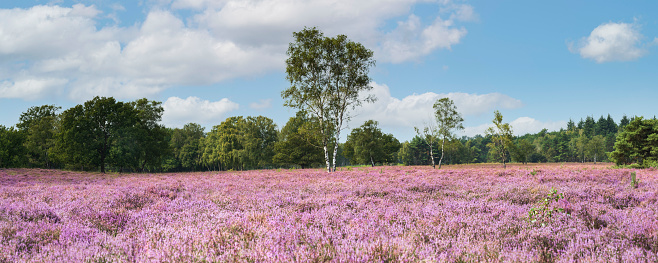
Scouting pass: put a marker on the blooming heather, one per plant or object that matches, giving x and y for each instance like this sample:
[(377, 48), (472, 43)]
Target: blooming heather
[(394, 214)]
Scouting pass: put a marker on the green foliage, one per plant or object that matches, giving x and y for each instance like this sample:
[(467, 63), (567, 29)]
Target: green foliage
[(634, 181), (447, 119), (596, 148), (187, 146), (104, 132), (12, 150), (544, 212), (150, 138), (40, 125), (522, 150), (295, 145), (637, 143), (327, 76), (239, 144), (415, 152), (501, 138), (89, 131), (368, 144)]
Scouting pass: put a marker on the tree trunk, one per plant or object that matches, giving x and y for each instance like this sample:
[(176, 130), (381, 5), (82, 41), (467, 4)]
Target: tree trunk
[(504, 165), (442, 144), (326, 157), (335, 151), (372, 162), (432, 156)]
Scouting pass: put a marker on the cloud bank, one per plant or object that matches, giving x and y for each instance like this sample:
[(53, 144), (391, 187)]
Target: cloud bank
[(415, 109), (178, 111), (65, 51)]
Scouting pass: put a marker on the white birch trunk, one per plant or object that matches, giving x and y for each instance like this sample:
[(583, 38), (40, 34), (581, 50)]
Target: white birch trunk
[(442, 144), (432, 156)]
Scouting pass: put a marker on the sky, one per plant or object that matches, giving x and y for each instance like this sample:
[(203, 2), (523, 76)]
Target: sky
[(540, 63)]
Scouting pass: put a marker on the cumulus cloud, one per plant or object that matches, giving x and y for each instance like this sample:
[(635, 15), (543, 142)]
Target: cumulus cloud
[(611, 42), (271, 22), (65, 51), (410, 40), (63, 43), (30, 88), (520, 126), (525, 125), (178, 111), (415, 109)]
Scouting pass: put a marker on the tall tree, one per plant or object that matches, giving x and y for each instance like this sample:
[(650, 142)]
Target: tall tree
[(90, 130), (623, 122), (501, 137), (223, 146), (151, 136), (349, 65), (327, 75), (260, 135), (571, 125), (637, 143), (39, 124), (589, 127), (447, 119)]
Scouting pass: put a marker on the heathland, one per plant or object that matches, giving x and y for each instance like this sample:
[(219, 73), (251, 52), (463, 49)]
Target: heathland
[(472, 213)]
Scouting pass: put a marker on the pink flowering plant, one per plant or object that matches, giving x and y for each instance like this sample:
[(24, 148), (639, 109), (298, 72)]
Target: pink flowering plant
[(475, 213)]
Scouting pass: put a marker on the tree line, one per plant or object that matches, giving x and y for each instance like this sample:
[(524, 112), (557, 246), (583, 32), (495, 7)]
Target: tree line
[(328, 79), (108, 135)]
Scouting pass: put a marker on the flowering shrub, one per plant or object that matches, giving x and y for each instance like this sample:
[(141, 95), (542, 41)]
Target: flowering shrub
[(583, 213), (545, 211)]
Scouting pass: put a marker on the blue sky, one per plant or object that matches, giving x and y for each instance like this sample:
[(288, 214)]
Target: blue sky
[(539, 62)]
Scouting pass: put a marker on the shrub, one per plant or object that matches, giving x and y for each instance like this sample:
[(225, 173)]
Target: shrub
[(545, 211)]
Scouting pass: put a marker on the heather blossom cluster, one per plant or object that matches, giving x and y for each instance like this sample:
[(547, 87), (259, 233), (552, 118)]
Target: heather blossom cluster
[(582, 213)]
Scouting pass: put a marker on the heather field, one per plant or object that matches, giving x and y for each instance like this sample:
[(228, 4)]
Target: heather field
[(545, 213)]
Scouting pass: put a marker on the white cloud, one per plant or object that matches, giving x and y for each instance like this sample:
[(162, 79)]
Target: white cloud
[(221, 40), (30, 88), (271, 22), (410, 40), (611, 42), (261, 104), (178, 111), (520, 126), (415, 109), (524, 125), (63, 43), (462, 12)]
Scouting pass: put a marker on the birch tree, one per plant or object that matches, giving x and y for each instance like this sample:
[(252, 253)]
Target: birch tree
[(448, 119), (501, 138), (327, 75)]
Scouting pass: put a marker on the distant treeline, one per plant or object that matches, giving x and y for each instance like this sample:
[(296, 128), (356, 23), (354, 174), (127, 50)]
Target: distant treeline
[(108, 135)]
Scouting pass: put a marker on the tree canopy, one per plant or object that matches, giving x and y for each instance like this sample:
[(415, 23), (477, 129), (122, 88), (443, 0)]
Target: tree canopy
[(501, 138), (637, 143), (368, 144), (448, 119), (327, 77)]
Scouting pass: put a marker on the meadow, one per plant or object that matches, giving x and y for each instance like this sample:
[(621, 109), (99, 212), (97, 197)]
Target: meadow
[(483, 213)]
